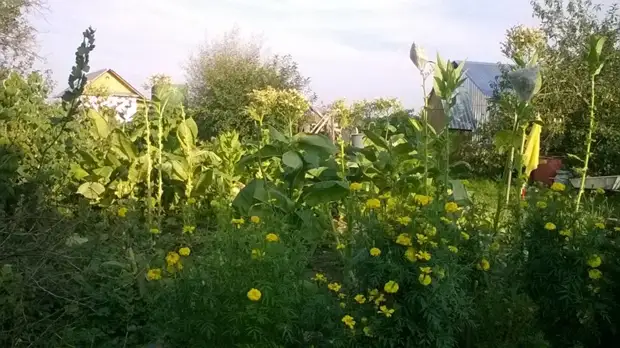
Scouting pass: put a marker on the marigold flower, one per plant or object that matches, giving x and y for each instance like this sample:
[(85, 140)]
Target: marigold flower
[(599, 225), (172, 258), (272, 237), (335, 287), (373, 293), (184, 251), (355, 186), (342, 296), (423, 255), (340, 246), (153, 274), (566, 233), (426, 270), (410, 254), (404, 220), (595, 274), (465, 235), (422, 200), (385, 311), (403, 239), (541, 204), (483, 265), (433, 245), (558, 187), (594, 261), (451, 207), (348, 321), (375, 252), (430, 231), (550, 226), (445, 220), (237, 222), (379, 299), (424, 279), (421, 238), (254, 294), (189, 229), (255, 219), (391, 287), (320, 277), (155, 230), (360, 298), (373, 203), (453, 249), (122, 211)]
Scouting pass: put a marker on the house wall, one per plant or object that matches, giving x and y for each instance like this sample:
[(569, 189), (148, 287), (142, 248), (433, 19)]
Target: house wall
[(479, 102), (126, 107), (110, 84)]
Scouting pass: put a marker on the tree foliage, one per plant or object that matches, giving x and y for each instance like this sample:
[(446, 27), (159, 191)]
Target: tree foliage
[(222, 74), (17, 34)]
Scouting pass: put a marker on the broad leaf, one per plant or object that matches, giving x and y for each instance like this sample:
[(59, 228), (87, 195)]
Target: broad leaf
[(187, 132), (254, 192), (91, 190), (122, 146), (102, 128), (292, 160), (325, 192), (376, 139), (318, 141), (78, 172)]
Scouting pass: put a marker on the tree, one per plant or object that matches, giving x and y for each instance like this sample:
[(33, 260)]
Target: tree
[(223, 73), (17, 35)]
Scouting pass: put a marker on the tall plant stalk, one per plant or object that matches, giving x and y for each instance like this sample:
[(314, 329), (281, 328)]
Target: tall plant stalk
[(149, 167), (586, 159), (425, 123)]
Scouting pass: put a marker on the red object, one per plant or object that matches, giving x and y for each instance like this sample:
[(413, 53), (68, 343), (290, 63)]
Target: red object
[(546, 170)]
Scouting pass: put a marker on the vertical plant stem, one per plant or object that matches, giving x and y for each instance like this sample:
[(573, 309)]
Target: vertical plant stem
[(447, 130), (586, 160), (511, 159), (149, 167), (425, 136), (160, 150)]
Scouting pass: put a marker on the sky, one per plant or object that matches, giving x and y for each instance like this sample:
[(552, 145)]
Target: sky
[(353, 49)]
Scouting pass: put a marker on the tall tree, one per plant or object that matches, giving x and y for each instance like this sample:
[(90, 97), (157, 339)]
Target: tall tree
[(17, 34), (223, 73)]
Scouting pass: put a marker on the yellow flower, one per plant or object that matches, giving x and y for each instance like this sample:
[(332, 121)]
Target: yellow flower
[(445, 220), (391, 287), (594, 261), (558, 187), (340, 246), (422, 200), (430, 231), (595, 274), (355, 186), (465, 235), (410, 254), (359, 298), (600, 225), (600, 191), (257, 254), (423, 255), (453, 249), (153, 274), (272, 237), (254, 294), (172, 258), (255, 219), (550, 226), (342, 296), (237, 222), (348, 321), (541, 204), (367, 331), (184, 251), (385, 311), (433, 245), (375, 252), (335, 287), (483, 265), (421, 238), (426, 270), (373, 203), (320, 277), (343, 305), (403, 239), (451, 207), (155, 230), (386, 195), (189, 229), (425, 279), (122, 211), (404, 220), (379, 299), (373, 293)]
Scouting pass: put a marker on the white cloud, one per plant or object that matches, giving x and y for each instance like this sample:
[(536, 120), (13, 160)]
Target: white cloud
[(350, 48)]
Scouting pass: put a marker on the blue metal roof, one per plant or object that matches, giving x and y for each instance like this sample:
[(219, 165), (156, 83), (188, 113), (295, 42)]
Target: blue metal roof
[(482, 75)]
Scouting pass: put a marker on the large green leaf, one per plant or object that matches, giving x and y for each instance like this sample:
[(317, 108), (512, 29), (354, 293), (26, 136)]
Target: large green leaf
[(318, 141), (78, 172), (91, 190), (102, 128), (205, 179), (103, 172), (89, 158), (254, 192), (325, 192), (277, 135), (292, 160), (122, 146), (376, 139), (180, 170), (187, 132)]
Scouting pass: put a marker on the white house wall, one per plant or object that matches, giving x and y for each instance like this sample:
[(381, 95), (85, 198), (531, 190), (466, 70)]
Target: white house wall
[(125, 106)]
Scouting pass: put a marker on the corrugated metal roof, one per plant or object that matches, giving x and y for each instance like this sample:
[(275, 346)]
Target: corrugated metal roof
[(482, 74)]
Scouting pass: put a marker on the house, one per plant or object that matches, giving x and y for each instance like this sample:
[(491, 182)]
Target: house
[(470, 110), (107, 88)]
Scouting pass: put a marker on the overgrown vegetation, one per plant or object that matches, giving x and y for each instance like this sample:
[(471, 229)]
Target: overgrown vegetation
[(128, 234)]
